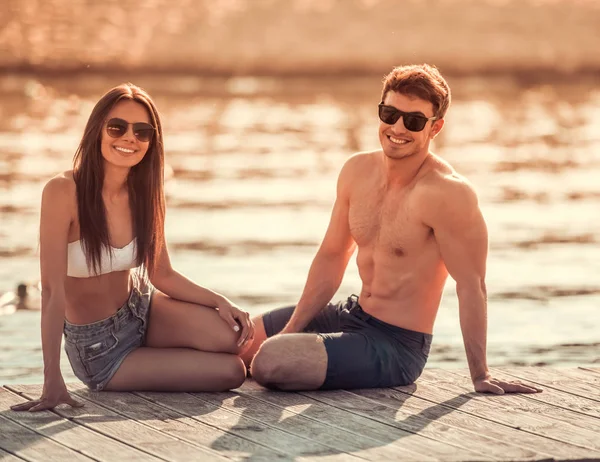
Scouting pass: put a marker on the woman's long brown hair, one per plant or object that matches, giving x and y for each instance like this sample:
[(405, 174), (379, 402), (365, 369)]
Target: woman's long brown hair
[(145, 185)]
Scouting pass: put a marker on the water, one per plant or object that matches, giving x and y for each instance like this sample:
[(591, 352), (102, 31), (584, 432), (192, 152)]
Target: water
[(253, 165)]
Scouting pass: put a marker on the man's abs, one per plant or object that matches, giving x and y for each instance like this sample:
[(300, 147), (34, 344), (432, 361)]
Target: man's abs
[(402, 292)]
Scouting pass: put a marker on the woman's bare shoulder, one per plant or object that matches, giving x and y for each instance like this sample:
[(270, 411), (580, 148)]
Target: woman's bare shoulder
[(60, 187)]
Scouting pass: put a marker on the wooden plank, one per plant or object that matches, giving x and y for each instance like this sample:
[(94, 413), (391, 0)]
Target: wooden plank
[(435, 441), (180, 426), (366, 432), (284, 443), (8, 457), (123, 429), (32, 446), (550, 379), (390, 405), (562, 439), (596, 370), (572, 375), (488, 437), (68, 433), (431, 387), (439, 418), (529, 403), (558, 398), (587, 377), (298, 424)]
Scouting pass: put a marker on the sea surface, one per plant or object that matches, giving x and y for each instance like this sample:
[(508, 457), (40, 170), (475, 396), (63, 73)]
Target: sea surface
[(252, 167)]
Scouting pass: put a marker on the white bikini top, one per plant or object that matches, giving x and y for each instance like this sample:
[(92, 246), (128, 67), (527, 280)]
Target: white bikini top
[(122, 259)]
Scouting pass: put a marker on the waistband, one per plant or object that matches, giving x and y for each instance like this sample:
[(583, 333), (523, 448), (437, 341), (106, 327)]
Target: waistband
[(356, 310), (120, 316)]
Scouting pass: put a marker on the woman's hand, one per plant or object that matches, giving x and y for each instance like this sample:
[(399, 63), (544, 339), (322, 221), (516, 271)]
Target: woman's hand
[(54, 393), (235, 317)]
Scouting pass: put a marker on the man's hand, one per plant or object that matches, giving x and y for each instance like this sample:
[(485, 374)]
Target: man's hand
[(488, 384)]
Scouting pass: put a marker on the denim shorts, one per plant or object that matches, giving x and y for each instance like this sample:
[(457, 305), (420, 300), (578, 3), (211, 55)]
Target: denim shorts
[(96, 350), (362, 351)]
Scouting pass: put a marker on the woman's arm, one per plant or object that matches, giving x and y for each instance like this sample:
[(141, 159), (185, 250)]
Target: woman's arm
[(177, 286), (56, 216)]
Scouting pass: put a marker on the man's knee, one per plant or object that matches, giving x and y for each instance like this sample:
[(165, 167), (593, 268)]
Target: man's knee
[(267, 368)]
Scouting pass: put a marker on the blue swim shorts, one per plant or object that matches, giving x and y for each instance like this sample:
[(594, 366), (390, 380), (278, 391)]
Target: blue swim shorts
[(362, 351)]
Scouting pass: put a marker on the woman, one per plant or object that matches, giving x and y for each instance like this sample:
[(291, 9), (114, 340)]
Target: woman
[(131, 322)]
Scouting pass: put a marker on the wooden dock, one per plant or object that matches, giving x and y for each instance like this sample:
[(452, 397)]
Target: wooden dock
[(437, 419)]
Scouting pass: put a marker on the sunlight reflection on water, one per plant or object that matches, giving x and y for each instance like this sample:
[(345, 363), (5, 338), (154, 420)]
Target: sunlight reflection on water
[(253, 179)]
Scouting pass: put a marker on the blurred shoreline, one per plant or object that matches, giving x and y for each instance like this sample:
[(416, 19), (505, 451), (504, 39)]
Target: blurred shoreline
[(301, 37), (47, 84), (527, 76)]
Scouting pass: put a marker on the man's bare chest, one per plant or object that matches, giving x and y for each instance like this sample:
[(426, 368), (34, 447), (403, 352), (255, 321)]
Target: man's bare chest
[(387, 220)]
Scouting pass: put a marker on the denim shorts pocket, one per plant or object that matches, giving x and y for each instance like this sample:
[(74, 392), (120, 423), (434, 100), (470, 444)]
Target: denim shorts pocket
[(75, 360), (143, 325), (95, 354), (100, 348)]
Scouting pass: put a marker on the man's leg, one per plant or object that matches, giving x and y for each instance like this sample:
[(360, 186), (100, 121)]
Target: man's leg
[(272, 322), (291, 362), (275, 320), (337, 360), (295, 361)]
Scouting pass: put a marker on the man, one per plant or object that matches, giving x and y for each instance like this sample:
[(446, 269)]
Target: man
[(414, 220)]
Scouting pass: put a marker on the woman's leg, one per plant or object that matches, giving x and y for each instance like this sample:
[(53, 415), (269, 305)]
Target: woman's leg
[(260, 335), (177, 324), (178, 369), (188, 348)]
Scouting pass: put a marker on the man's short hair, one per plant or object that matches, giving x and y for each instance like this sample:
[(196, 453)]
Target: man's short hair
[(420, 80)]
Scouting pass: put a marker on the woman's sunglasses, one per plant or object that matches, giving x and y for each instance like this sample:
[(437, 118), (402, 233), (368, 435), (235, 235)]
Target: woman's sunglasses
[(116, 128), (412, 121)]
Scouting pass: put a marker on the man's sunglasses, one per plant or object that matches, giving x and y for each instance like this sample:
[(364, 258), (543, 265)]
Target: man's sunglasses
[(116, 128), (412, 121)]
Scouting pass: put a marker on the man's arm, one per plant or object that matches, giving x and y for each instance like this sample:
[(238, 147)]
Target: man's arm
[(461, 234), (328, 267)]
